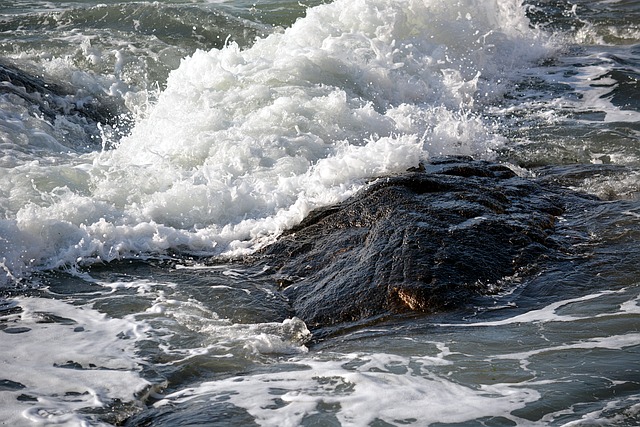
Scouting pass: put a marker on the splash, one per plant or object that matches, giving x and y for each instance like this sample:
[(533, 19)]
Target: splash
[(242, 144)]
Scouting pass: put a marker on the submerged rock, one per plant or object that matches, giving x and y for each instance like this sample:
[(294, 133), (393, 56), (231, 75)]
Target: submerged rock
[(424, 241), (51, 99)]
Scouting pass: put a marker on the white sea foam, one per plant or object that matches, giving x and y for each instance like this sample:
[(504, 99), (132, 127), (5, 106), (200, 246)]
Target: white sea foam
[(88, 363), (92, 360), (353, 383), (427, 383), (594, 86), (244, 143), (553, 312), (221, 336), (614, 342)]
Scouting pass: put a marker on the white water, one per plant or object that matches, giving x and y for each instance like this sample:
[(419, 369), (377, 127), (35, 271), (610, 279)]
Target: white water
[(447, 373), (68, 359), (426, 379), (244, 143), (405, 388), (88, 362)]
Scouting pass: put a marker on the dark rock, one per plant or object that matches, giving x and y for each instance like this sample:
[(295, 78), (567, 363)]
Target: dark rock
[(53, 99), (44, 317), (26, 398), (15, 330), (8, 385), (425, 241)]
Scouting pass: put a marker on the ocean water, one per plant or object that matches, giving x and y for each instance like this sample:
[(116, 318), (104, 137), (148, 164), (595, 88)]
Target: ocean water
[(146, 145)]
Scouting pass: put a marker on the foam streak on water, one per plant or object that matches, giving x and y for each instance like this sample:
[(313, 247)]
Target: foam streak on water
[(430, 382), (70, 359), (409, 395)]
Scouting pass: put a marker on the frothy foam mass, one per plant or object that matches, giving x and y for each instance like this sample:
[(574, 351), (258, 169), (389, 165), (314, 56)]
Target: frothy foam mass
[(244, 143)]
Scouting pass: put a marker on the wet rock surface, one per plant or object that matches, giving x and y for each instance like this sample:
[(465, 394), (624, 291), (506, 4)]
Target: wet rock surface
[(50, 99), (426, 241)]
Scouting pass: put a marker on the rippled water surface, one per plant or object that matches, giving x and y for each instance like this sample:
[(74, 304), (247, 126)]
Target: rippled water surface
[(145, 147)]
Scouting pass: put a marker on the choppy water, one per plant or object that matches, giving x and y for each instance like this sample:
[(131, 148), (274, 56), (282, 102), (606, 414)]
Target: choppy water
[(137, 138)]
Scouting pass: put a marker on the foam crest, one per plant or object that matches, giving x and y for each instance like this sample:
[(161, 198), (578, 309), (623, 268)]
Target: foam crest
[(242, 144)]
